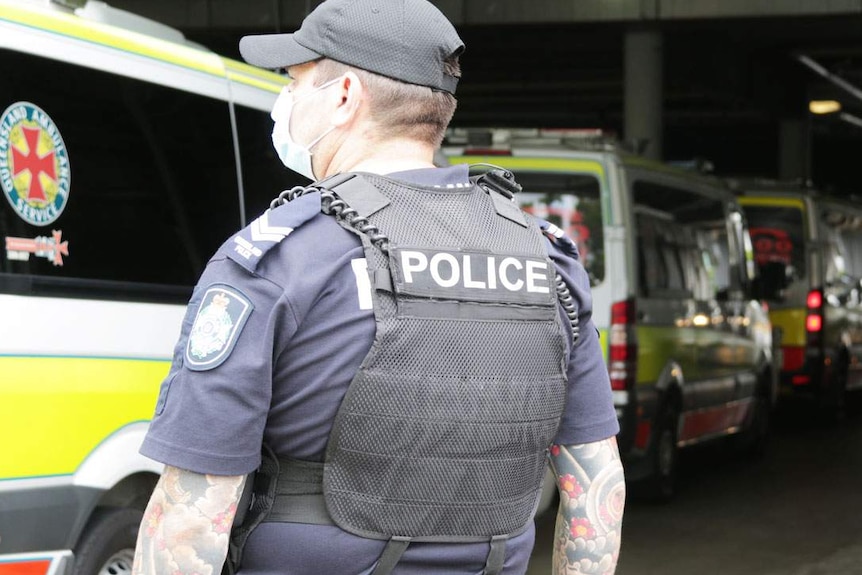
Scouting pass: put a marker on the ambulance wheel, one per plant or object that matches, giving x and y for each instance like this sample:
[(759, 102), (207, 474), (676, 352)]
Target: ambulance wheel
[(107, 546), (753, 440), (833, 406), (661, 486)]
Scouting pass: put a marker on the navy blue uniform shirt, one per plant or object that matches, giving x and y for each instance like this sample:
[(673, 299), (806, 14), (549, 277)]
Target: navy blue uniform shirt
[(267, 357)]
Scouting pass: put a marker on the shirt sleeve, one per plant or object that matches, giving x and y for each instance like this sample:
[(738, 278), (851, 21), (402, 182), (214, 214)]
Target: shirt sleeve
[(589, 414), (212, 406)]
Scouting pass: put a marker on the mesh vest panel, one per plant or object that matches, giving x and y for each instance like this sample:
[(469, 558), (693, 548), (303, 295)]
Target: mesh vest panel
[(442, 435)]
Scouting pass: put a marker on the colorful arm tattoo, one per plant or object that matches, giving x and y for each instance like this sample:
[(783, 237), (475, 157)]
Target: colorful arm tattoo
[(592, 498), (187, 524)]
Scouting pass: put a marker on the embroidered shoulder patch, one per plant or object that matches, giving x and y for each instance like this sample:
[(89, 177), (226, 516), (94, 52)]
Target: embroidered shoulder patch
[(221, 316)]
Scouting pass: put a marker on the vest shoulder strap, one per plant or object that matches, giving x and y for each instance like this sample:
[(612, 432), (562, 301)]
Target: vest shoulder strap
[(357, 192), (502, 187)]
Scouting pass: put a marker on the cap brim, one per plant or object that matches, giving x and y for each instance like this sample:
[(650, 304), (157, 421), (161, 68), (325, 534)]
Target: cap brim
[(275, 51)]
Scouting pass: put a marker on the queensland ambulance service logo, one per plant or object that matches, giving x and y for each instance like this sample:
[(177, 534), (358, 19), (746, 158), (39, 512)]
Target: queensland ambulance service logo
[(51, 248), (34, 165), (221, 316)]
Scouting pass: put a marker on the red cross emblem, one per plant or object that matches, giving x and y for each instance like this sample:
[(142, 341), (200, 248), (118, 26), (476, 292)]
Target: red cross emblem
[(35, 164)]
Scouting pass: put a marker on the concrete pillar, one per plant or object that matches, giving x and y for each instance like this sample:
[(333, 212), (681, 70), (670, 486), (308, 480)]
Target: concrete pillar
[(794, 153), (643, 77)]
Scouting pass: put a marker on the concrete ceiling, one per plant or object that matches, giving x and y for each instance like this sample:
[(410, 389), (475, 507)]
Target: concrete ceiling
[(731, 74)]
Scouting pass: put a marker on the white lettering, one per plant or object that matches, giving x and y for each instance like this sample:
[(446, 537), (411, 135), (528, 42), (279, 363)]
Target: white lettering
[(453, 265), (18, 114), (363, 282), (247, 247), (492, 273), (537, 271), (504, 278), (469, 282), (37, 216), (242, 251), (419, 263), (18, 256), (6, 178), (475, 271)]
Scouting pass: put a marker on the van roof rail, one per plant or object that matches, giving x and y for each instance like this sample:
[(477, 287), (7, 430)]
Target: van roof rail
[(699, 165), (479, 140), (70, 4), (99, 11), (743, 183)]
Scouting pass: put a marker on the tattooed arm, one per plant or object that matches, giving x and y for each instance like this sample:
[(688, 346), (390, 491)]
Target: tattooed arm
[(187, 523), (592, 498)]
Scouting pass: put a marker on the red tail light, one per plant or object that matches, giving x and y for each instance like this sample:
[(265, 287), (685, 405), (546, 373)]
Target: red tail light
[(814, 300), (814, 319), (801, 379), (814, 323), (623, 349)]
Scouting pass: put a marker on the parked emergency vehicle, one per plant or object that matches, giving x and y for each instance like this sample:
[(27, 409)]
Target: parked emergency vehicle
[(689, 351), (809, 247), (127, 156)]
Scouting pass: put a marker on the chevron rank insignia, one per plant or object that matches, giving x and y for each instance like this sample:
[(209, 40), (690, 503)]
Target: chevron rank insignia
[(250, 245), (559, 237)]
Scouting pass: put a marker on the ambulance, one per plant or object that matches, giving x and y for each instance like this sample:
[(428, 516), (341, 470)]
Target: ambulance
[(689, 349), (127, 156), (809, 246)]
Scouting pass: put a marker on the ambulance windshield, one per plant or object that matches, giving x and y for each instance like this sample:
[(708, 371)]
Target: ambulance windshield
[(777, 234)]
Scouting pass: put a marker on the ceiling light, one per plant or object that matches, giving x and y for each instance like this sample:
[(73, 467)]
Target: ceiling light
[(824, 106)]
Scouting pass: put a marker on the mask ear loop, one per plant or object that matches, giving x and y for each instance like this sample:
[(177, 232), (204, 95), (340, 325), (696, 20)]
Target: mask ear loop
[(315, 141), (318, 138)]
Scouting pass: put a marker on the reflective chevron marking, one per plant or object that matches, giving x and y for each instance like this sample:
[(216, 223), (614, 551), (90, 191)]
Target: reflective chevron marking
[(261, 231)]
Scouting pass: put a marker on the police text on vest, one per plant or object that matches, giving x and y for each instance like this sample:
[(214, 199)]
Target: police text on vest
[(453, 273)]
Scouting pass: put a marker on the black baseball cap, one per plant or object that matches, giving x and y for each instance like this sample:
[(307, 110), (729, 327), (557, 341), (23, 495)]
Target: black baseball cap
[(407, 40)]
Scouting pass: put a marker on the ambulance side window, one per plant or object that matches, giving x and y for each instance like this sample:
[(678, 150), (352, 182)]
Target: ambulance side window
[(670, 254), (652, 266), (715, 249), (152, 187), (263, 174), (684, 216)]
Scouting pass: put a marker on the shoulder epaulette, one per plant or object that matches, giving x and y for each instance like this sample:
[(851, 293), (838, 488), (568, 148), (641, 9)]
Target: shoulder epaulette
[(559, 238), (250, 245)]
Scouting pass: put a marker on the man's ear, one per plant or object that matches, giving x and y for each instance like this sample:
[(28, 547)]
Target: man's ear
[(351, 97)]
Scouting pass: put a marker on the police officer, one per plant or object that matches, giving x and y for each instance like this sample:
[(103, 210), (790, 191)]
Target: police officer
[(392, 353)]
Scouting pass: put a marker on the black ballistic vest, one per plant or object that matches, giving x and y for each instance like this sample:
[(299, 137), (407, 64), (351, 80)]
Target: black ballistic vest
[(443, 433)]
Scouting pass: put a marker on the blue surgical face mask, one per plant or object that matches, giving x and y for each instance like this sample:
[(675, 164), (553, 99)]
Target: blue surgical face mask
[(292, 154)]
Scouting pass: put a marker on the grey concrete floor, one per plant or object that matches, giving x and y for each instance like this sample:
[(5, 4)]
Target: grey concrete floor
[(795, 511)]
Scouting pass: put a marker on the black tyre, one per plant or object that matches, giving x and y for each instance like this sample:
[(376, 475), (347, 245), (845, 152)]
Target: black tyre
[(107, 546), (753, 440), (664, 455), (833, 406)]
